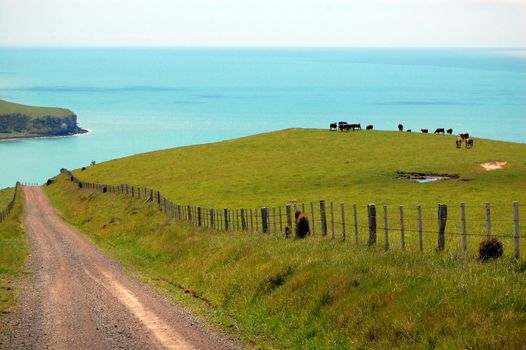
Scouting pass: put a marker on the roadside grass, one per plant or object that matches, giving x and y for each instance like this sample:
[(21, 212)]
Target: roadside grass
[(32, 111), (6, 194), (309, 294), (13, 251)]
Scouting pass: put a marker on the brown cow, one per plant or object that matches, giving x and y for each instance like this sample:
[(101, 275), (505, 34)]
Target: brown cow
[(469, 142), (355, 126), (458, 142), (302, 224), (449, 131), (464, 135), (369, 127), (424, 131), (440, 131)]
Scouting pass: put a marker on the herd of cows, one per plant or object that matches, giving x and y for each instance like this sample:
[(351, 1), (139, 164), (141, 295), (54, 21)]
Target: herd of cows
[(462, 137)]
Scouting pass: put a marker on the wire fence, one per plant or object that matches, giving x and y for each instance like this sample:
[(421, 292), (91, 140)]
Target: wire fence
[(415, 228), (5, 212)]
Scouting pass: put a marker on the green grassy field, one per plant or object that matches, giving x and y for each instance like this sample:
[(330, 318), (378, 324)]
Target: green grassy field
[(312, 294), (6, 194), (32, 111), (302, 165), (12, 250)]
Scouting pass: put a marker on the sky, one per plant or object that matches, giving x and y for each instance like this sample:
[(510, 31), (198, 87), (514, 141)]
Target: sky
[(310, 23)]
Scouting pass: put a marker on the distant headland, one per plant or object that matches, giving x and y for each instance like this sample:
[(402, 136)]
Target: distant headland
[(21, 121)]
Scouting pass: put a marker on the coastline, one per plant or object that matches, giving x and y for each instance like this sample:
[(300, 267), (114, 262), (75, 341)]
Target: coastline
[(16, 138)]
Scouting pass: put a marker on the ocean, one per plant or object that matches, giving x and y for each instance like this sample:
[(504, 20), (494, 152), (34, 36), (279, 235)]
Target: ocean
[(143, 99)]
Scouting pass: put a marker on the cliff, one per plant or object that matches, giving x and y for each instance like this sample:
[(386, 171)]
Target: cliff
[(18, 120)]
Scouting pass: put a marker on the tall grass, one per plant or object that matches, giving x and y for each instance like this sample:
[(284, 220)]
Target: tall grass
[(308, 294)]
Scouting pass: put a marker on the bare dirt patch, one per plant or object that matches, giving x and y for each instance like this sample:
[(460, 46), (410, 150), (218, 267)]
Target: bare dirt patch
[(490, 166)]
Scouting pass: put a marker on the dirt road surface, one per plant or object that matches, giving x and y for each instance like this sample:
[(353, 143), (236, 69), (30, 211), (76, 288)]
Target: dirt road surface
[(79, 298)]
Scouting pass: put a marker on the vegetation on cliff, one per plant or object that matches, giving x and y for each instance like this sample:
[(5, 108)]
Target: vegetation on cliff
[(17, 120)]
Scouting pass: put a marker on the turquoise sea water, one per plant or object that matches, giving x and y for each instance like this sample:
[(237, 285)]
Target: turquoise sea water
[(138, 100)]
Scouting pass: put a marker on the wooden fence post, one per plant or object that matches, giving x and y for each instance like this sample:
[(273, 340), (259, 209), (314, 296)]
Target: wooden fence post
[(517, 233), (251, 221), (243, 220), (386, 229), (312, 217), (264, 220), (355, 214), (342, 209), (402, 228), (199, 216), (280, 220), (323, 218), (226, 219), (212, 222), (332, 220), (488, 220), (442, 219), (420, 238), (257, 221), (371, 211), (274, 218), (463, 224), (289, 216)]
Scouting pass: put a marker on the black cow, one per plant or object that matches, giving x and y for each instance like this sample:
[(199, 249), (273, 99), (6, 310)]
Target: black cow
[(449, 131), (369, 127), (400, 127), (440, 131), (424, 131), (333, 126)]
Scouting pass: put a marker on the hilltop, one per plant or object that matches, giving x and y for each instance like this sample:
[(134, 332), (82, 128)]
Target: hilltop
[(19, 121), (306, 165)]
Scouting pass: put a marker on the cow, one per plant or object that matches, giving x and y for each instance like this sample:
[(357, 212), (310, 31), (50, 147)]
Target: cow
[(464, 135), (440, 131), (400, 127), (355, 126), (343, 126), (302, 224), (458, 142), (369, 127), (408, 130), (333, 126), (449, 131), (424, 131), (469, 142)]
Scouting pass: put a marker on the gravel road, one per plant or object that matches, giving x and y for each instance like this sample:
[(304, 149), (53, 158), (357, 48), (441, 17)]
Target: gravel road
[(79, 298)]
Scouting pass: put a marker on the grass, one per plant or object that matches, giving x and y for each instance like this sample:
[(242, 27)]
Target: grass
[(302, 165), (6, 195), (13, 251), (313, 294), (32, 111)]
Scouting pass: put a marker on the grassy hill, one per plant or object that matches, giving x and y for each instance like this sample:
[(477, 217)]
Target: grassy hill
[(363, 167), (17, 120), (12, 251), (308, 165), (274, 293)]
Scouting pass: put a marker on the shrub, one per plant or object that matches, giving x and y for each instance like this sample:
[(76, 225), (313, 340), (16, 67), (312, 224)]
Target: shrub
[(302, 225), (490, 248)]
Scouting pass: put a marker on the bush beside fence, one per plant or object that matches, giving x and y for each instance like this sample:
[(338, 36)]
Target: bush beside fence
[(5, 212), (329, 222)]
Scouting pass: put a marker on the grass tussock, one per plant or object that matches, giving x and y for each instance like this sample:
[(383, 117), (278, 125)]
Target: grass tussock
[(312, 293), (13, 251)]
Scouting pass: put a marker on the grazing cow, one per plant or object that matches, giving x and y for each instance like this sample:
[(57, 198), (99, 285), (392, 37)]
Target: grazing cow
[(355, 126), (408, 130), (458, 142), (400, 127), (343, 126), (440, 131), (369, 127), (424, 131), (469, 142), (449, 131), (333, 126), (464, 135)]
